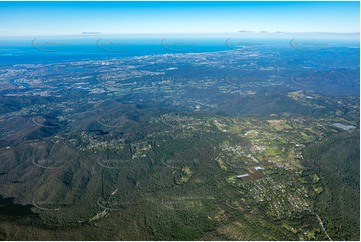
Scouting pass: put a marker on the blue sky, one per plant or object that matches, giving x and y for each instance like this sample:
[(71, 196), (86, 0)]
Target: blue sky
[(72, 18)]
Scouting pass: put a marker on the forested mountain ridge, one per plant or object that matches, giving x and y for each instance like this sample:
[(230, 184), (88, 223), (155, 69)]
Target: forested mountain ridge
[(337, 162)]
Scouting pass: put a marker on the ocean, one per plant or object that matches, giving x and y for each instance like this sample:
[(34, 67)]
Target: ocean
[(75, 48)]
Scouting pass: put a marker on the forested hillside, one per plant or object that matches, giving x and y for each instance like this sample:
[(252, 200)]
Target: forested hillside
[(337, 161)]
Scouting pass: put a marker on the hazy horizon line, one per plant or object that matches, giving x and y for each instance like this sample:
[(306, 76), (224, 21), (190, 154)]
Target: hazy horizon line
[(242, 32)]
